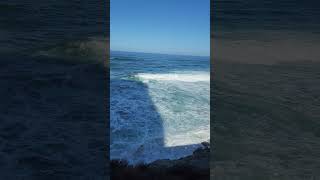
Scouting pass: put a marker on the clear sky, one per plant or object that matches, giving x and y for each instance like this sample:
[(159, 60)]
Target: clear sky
[(161, 26)]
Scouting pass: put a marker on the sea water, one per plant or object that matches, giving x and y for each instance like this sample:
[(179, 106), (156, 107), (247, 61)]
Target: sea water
[(159, 105), (265, 87), (52, 89)]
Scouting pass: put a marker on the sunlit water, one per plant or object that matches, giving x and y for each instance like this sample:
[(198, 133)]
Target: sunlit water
[(159, 105)]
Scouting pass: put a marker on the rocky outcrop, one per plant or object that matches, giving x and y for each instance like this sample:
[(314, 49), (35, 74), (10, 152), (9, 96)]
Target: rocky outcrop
[(195, 166)]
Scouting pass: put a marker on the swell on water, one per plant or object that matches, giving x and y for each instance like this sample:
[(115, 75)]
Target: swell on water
[(93, 49), (266, 47)]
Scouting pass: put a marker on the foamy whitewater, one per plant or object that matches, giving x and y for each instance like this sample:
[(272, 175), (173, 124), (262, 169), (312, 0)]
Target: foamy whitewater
[(159, 105)]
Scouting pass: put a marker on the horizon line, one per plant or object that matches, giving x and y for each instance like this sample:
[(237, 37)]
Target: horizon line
[(161, 53)]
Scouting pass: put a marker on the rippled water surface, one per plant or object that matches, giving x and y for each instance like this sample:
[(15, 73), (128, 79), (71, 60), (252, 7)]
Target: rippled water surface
[(53, 118), (159, 105)]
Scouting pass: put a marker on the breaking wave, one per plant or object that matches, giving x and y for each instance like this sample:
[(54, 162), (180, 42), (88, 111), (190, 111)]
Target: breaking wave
[(175, 76)]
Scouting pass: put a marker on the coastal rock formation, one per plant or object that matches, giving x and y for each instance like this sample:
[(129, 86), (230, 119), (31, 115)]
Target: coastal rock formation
[(195, 166)]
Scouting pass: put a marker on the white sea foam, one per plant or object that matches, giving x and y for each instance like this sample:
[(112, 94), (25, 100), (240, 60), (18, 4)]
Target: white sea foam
[(175, 76), (182, 99), (159, 115)]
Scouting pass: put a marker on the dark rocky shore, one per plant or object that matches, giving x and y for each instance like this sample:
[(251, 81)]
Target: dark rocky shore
[(195, 166)]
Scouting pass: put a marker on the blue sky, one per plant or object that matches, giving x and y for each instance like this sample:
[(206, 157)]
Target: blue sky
[(161, 26)]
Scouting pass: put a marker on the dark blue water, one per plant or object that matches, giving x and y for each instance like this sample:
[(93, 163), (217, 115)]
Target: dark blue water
[(265, 89), (30, 26), (131, 63), (53, 119), (266, 15), (159, 105), (266, 32)]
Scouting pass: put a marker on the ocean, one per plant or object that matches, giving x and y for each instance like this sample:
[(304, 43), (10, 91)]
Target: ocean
[(53, 82), (265, 90), (159, 105)]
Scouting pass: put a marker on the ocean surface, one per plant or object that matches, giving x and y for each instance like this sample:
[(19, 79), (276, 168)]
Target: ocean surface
[(53, 83), (265, 32), (265, 94), (28, 27), (159, 105)]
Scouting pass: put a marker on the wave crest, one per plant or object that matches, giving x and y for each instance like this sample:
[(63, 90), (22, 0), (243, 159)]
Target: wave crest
[(184, 77)]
